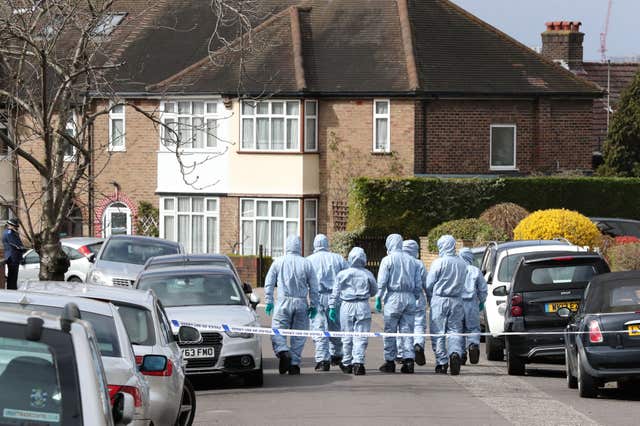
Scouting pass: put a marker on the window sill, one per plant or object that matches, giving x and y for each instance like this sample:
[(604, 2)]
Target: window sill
[(504, 169), (382, 153), (257, 152), (117, 150)]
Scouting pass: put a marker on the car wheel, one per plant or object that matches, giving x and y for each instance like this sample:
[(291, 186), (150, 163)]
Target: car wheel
[(515, 364), (572, 381), (254, 379), (494, 349), (74, 280), (187, 405), (587, 387)]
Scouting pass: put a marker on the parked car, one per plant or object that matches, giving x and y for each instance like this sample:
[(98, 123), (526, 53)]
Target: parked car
[(210, 295), (617, 227), (498, 265), (117, 355), (150, 333), (542, 284), (77, 249), (478, 255), (122, 257), (611, 303), (39, 354)]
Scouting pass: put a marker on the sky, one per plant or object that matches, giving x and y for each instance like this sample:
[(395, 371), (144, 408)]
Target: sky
[(524, 20)]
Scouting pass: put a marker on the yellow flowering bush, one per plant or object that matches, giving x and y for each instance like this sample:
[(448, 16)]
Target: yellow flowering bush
[(555, 223)]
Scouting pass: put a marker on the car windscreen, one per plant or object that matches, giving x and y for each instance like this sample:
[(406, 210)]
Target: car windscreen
[(38, 379), (617, 296), (103, 326), (135, 251), (139, 324), (194, 290)]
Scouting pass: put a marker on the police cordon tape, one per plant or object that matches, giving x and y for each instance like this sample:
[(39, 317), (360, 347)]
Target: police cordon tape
[(225, 328)]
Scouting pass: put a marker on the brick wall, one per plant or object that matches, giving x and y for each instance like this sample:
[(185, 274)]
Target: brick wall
[(247, 267), (229, 225)]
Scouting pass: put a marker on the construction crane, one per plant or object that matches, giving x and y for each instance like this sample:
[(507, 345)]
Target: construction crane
[(603, 35)]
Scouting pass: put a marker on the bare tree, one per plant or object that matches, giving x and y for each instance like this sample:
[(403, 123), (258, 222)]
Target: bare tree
[(56, 68)]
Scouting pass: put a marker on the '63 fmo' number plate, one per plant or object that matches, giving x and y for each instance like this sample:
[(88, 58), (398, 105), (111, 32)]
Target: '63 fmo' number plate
[(209, 352)]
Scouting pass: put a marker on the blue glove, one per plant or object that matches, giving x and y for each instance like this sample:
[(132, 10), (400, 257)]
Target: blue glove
[(332, 314), (269, 309), (312, 311), (481, 306), (378, 304)]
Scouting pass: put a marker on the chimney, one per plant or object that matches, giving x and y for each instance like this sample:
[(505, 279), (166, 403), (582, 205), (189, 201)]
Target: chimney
[(562, 43)]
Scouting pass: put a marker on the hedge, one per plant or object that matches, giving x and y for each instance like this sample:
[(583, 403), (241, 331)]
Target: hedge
[(414, 206)]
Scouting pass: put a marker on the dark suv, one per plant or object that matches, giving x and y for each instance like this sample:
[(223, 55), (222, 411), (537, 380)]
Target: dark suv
[(542, 284)]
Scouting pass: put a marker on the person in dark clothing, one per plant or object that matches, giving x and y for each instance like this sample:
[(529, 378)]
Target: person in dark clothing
[(13, 250)]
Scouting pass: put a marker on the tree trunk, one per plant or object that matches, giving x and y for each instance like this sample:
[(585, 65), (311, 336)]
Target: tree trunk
[(54, 262)]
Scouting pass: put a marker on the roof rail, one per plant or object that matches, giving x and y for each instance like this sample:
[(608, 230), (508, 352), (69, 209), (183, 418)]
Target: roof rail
[(34, 329), (563, 239), (70, 313)]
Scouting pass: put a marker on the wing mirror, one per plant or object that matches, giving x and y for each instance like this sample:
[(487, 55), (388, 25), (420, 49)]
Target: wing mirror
[(247, 288), (123, 408), (564, 313), (500, 291), (153, 364), (189, 335), (254, 299), (92, 258)]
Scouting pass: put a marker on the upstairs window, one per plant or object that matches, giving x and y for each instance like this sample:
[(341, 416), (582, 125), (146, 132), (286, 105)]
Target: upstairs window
[(270, 125), (311, 125), (116, 128), (107, 23), (381, 125), (72, 131), (191, 125), (4, 148), (503, 147)]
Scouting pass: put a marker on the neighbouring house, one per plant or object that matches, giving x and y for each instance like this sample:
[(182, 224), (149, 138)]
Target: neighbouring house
[(269, 138), (7, 178), (562, 42)]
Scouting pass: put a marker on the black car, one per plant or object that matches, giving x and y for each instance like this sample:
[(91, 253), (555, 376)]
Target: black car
[(544, 283), (617, 227), (608, 349)]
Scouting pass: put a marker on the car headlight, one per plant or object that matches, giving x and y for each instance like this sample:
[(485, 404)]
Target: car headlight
[(97, 277), (234, 334)]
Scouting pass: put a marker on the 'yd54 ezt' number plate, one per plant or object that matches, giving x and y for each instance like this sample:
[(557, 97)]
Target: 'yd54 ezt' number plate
[(553, 307), (634, 330), (209, 352)]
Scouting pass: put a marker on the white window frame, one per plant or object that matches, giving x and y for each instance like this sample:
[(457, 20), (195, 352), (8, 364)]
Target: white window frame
[(175, 116), (308, 117), (72, 127), (106, 218), (206, 214), (117, 116), (515, 146), (270, 116), (270, 218), (386, 116), (305, 219), (6, 155)]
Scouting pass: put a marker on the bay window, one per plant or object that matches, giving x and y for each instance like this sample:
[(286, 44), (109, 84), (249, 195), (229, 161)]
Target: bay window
[(191, 125), (270, 125), (191, 221)]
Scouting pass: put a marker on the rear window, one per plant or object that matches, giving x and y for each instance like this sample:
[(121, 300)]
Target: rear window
[(103, 326), (139, 324), (217, 263), (574, 273), (135, 252), (562, 274), (624, 298), (38, 380)]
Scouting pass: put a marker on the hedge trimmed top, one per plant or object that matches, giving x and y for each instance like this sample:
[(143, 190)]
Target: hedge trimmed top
[(412, 207)]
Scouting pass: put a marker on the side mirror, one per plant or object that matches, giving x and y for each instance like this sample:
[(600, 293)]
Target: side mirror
[(254, 299), (489, 277), (23, 261), (502, 309), (92, 258), (564, 313), (246, 287), (153, 364), (123, 408), (189, 335), (500, 291)]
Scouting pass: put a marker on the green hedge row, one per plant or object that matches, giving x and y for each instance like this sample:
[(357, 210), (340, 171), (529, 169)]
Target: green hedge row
[(414, 206)]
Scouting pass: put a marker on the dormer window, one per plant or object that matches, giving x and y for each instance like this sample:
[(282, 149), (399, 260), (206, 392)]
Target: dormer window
[(106, 24)]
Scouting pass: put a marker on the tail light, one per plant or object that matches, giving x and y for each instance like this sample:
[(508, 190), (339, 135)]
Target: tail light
[(595, 335), (131, 390), (516, 305), (84, 250)]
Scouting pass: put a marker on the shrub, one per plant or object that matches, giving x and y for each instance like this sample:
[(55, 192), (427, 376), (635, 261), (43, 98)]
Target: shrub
[(625, 257), (558, 223), (504, 216), (474, 230), (343, 242)]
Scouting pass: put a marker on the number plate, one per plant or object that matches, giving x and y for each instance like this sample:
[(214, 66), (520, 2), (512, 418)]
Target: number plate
[(553, 307), (209, 352), (634, 330)]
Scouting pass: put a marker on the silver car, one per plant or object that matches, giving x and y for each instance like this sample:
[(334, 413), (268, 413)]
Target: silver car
[(150, 333), (38, 353), (77, 249), (122, 257), (210, 295), (117, 355)]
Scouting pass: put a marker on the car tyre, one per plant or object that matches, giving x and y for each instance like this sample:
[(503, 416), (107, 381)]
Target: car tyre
[(254, 378), (494, 349), (587, 386), (572, 381), (74, 280), (515, 364), (187, 405)]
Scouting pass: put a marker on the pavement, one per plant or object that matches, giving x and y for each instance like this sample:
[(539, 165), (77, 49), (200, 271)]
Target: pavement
[(482, 394)]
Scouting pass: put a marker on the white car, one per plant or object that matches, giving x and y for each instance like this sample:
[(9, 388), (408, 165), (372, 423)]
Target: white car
[(118, 358), (210, 295), (498, 265), (40, 354), (77, 249)]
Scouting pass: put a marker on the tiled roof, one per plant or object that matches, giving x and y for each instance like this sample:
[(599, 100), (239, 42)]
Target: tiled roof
[(345, 47)]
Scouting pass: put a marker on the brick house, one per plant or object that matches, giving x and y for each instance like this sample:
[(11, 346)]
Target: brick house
[(331, 90)]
